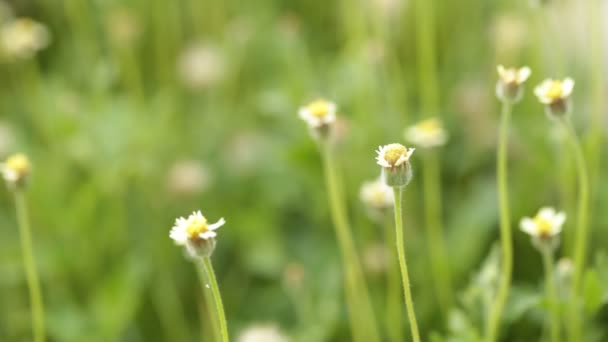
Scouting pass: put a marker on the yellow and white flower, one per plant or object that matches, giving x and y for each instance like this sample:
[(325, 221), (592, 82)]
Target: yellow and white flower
[(22, 38), (16, 169), (376, 195), (509, 87), (318, 113), (196, 234), (427, 133), (546, 224), (393, 155), (553, 91)]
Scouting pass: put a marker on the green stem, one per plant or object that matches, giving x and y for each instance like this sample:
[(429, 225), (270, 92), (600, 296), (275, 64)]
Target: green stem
[(217, 298), (581, 237), (547, 254), (394, 309), (436, 243), (409, 302), (363, 323), (597, 88), (31, 273), (505, 227)]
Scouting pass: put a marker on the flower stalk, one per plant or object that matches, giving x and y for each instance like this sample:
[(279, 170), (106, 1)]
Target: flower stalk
[(31, 272), (551, 293), (505, 226), (409, 302), (217, 298)]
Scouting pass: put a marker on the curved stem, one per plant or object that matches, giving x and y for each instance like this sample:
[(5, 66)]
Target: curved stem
[(581, 237), (435, 239), (217, 298), (31, 273), (409, 302), (505, 226), (547, 254), (363, 323)]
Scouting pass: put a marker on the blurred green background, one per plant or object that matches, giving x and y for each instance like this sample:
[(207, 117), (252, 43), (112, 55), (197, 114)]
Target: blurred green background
[(141, 111)]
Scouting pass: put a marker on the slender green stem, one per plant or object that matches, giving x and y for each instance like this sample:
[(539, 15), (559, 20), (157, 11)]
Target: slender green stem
[(547, 254), (31, 273), (436, 243), (581, 237), (217, 298), (409, 302), (505, 227), (363, 323), (394, 309)]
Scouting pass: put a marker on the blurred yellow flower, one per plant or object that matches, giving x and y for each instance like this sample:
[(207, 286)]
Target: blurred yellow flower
[(553, 91), (510, 83), (22, 38), (16, 169), (427, 133), (546, 224), (201, 66), (376, 195), (318, 113)]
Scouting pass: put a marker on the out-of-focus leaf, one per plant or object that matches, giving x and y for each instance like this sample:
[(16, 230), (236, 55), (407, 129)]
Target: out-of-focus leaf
[(592, 292)]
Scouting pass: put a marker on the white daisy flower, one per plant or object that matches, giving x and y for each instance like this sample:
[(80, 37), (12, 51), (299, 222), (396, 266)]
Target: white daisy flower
[(546, 224), (393, 155), (552, 91), (427, 133), (376, 195), (318, 113), (23, 38), (513, 75), (16, 169)]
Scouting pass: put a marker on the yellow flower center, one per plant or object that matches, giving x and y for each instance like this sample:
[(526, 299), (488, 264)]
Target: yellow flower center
[(394, 152), (319, 108), (556, 90), (543, 226), (196, 226), (19, 164)]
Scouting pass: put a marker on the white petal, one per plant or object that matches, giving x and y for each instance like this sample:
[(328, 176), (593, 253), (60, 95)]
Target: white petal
[(546, 214), (527, 225), (559, 219), (207, 235), (217, 224), (501, 70), (567, 87), (523, 74)]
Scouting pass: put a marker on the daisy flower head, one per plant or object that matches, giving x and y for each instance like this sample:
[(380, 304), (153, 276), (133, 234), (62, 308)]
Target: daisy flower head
[(509, 87), (427, 133), (555, 95), (394, 160), (320, 115), (196, 234), (16, 170), (545, 226), (377, 197), (22, 38)]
